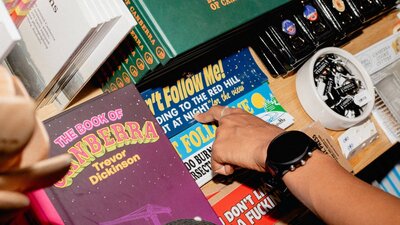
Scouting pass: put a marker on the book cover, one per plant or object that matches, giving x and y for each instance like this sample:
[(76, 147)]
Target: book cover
[(248, 205), (174, 103), (185, 25), (194, 144), (124, 169)]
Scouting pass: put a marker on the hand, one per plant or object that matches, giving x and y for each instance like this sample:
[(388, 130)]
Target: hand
[(24, 145), (241, 139)]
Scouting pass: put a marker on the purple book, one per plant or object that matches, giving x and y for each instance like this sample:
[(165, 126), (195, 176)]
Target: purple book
[(124, 170)]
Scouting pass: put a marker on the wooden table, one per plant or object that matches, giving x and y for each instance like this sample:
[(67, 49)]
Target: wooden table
[(285, 91)]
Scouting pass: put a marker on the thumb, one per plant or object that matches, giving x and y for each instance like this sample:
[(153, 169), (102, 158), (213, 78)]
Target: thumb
[(225, 170)]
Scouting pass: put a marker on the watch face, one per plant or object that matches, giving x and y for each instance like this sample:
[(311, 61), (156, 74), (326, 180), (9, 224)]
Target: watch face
[(289, 148)]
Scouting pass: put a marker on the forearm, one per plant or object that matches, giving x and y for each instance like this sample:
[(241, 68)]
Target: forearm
[(338, 197)]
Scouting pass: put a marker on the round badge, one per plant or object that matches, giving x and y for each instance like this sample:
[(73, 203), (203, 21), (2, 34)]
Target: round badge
[(119, 82), (148, 58), (160, 52), (310, 13), (339, 5), (289, 27), (140, 64), (113, 87)]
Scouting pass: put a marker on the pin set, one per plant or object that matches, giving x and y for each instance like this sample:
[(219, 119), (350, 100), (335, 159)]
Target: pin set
[(339, 86), (293, 33)]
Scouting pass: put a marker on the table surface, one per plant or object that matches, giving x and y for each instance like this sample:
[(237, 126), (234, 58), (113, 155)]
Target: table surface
[(285, 91)]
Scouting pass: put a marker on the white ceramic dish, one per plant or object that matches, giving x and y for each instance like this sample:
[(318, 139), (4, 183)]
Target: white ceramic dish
[(313, 104)]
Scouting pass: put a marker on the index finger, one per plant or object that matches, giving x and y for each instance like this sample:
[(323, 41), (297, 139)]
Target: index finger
[(213, 114)]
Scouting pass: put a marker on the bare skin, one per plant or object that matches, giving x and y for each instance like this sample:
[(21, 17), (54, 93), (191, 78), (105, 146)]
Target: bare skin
[(322, 184), (24, 147)]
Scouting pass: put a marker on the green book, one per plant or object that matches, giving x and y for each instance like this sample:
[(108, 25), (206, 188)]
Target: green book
[(184, 25), (140, 67), (148, 55), (150, 35), (112, 83), (129, 71)]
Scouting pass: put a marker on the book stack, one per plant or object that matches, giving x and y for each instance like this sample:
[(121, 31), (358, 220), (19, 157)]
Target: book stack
[(8, 32), (170, 34), (64, 43)]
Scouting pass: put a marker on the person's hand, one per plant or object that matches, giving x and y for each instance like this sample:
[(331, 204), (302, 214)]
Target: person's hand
[(241, 139), (24, 145)]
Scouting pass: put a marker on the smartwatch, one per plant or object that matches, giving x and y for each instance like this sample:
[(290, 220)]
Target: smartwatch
[(287, 151)]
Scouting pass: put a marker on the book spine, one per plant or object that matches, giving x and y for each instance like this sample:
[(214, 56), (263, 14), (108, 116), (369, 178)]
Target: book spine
[(129, 71), (143, 9), (163, 53), (116, 73), (129, 62), (132, 66), (149, 55), (140, 64)]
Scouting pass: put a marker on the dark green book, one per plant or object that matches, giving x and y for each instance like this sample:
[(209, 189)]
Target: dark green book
[(148, 55), (150, 35), (136, 59), (184, 25)]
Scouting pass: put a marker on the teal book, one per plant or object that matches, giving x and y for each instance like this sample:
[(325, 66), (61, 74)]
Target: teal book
[(184, 25), (150, 34), (144, 48)]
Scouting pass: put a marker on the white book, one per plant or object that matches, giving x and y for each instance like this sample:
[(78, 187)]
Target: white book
[(99, 55), (8, 32), (51, 36), (96, 21), (96, 10)]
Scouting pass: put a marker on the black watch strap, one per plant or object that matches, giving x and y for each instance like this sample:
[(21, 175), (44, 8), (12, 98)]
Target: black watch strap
[(287, 151)]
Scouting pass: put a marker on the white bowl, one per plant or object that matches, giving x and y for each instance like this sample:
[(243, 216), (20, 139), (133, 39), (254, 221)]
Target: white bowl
[(313, 104)]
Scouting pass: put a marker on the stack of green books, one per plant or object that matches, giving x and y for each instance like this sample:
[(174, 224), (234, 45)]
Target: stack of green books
[(171, 33)]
